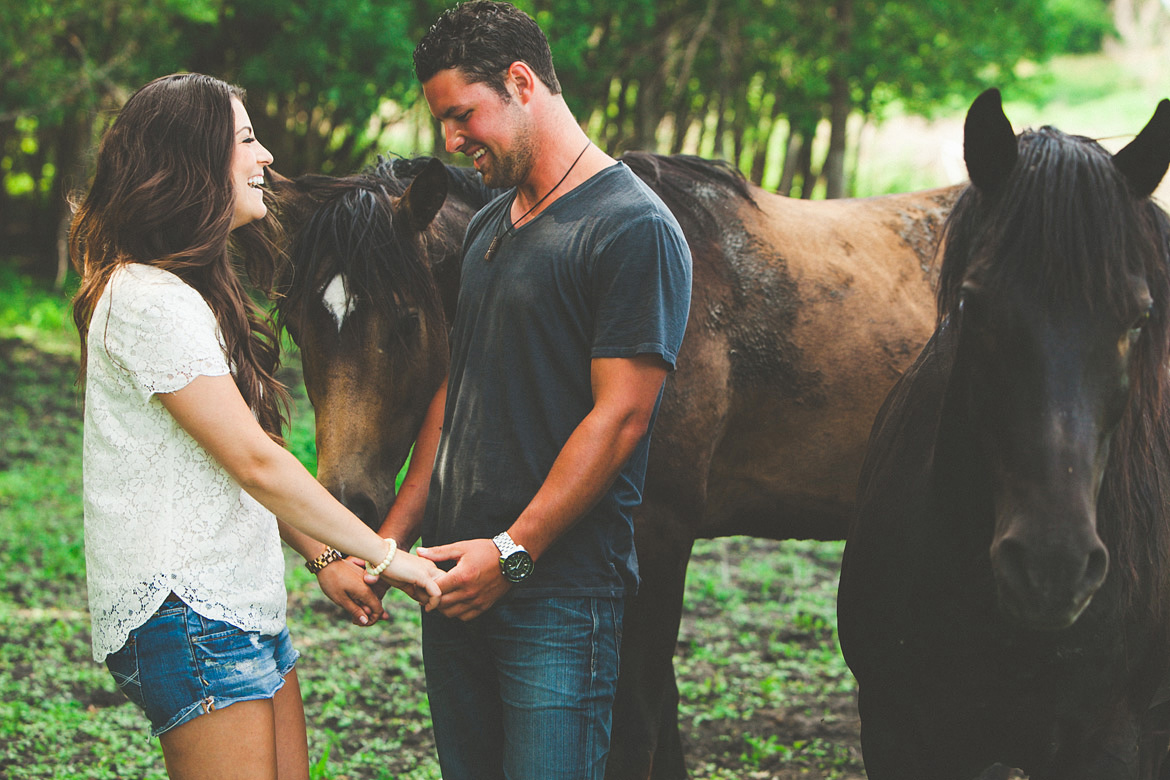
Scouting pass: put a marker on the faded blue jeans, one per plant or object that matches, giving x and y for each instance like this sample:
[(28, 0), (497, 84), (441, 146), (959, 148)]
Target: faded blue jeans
[(524, 691)]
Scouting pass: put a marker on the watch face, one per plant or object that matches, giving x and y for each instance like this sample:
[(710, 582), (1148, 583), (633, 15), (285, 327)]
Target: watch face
[(517, 566)]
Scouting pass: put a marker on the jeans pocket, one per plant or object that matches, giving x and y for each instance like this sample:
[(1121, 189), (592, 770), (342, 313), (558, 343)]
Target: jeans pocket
[(123, 667)]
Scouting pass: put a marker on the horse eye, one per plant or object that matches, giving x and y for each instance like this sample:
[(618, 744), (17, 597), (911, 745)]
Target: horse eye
[(1142, 319), (968, 298), (408, 324)]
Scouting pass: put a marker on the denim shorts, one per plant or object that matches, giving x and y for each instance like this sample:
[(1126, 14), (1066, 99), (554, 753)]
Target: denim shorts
[(179, 665)]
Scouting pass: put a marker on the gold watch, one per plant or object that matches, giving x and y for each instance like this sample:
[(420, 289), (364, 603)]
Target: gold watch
[(324, 559)]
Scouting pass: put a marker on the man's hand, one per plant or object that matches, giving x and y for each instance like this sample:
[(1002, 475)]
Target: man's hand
[(412, 574), (476, 582), (344, 584)]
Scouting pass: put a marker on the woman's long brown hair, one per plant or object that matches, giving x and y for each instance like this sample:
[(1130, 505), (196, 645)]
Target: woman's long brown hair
[(162, 196)]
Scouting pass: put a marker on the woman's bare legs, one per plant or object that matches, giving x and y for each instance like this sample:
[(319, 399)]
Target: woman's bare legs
[(292, 743), (250, 740)]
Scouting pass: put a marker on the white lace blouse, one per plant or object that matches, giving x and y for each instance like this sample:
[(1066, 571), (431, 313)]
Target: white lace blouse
[(161, 514)]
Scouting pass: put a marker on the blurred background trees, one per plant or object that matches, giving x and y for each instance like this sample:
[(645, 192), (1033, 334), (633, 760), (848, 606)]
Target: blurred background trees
[(330, 82)]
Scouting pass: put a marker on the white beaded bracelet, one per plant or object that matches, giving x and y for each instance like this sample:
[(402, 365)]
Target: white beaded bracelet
[(376, 571)]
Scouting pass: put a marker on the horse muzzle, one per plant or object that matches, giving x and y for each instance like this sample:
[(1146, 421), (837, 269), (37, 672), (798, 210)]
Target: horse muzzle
[(1044, 584)]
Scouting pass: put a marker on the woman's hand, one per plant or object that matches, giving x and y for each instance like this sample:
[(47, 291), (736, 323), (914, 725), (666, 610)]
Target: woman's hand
[(414, 576), (344, 584)]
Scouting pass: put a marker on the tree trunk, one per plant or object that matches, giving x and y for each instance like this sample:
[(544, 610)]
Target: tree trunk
[(804, 168), (614, 131), (792, 151), (760, 153), (735, 101), (839, 104), (682, 123), (71, 140), (720, 108), (768, 125), (680, 99), (649, 104)]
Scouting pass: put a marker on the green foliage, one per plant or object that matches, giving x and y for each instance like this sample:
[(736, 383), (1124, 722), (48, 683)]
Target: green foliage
[(317, 73), (40, 415), (31, 310), (62, 55), (759, 638), (328, 78), (1078, 26)]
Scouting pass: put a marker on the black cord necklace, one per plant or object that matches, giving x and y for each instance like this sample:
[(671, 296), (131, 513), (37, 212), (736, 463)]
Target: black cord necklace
[(507, 231)]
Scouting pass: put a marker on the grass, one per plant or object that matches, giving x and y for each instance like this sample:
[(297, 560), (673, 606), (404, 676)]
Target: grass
[(758, 663), (35, 313), (757, 639)]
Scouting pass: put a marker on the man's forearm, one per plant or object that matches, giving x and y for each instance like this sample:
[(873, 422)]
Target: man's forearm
[(404, 520), (626, 392)]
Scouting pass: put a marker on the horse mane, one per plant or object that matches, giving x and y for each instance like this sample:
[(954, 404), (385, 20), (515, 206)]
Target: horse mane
[(688, 184), (465, 183), (1067, 227), (1135, 497), (1064, 209), (350, 228)]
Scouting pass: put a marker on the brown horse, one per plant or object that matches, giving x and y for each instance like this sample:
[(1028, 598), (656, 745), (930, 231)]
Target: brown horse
[(803, 315), (1004, 592)]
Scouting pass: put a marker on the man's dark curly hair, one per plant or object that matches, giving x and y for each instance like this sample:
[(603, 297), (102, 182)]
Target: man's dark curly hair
[(482, 38)]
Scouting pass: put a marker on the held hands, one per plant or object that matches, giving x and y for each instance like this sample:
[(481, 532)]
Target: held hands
[(465, 592), (475, 584), (409, 573)]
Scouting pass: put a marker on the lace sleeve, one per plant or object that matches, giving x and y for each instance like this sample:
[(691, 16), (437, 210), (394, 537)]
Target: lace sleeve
[(162, 333)]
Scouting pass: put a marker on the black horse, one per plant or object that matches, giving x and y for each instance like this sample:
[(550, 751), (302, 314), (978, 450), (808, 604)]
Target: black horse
[(804, 314), (1005, 590)]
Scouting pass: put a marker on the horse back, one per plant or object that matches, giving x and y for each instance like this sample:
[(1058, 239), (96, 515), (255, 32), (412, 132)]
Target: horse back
[(804, 314)]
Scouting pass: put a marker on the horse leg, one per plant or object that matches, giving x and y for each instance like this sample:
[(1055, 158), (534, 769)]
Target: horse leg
[(646, 741), (890, 742), (669, 762)]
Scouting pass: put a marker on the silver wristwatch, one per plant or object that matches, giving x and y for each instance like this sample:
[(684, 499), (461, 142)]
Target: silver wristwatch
[(515, 562)]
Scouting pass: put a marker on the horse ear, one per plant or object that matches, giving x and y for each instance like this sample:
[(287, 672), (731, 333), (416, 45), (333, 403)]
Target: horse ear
[(1145, 159), (425, 195), (989, 143)]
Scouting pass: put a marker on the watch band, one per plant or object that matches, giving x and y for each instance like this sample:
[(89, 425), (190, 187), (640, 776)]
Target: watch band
[(505, 544), (324, 559)]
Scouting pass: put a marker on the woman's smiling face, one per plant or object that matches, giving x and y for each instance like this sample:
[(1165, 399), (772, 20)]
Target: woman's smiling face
[(249, 159)]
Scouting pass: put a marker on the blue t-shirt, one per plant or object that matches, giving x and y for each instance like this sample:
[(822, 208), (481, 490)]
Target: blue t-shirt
[(603, 272)]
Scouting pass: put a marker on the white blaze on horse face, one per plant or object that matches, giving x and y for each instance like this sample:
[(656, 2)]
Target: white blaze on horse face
[(337, 301)]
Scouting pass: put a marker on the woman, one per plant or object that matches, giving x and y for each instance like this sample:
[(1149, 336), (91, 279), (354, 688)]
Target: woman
[(184, 467)]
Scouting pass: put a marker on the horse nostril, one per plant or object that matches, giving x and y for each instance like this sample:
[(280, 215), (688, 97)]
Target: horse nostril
[(1096, 569)]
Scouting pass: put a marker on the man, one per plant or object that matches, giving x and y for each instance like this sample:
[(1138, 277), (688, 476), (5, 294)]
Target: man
[(573, 300)]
